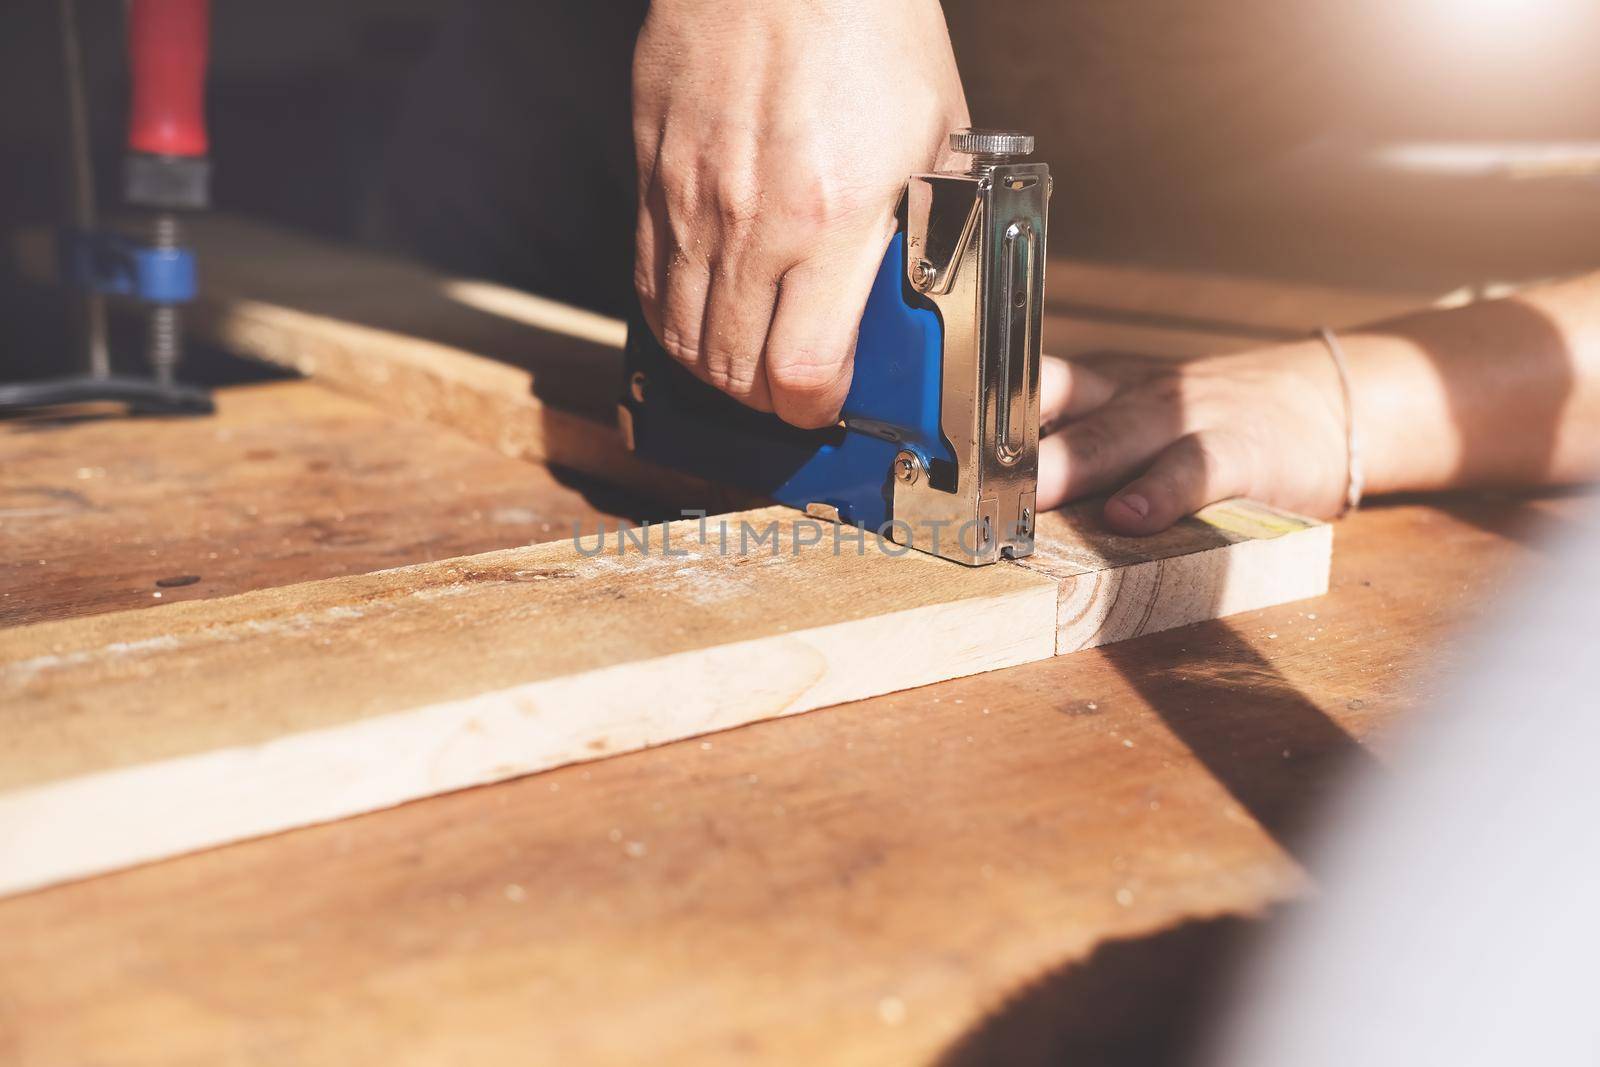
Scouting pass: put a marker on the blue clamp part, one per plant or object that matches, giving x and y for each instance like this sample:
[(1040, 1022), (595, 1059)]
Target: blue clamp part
[(893, 405), (113, 264)]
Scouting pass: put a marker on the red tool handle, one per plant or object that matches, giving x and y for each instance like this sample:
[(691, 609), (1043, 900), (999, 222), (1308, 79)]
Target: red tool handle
[(167, 60)]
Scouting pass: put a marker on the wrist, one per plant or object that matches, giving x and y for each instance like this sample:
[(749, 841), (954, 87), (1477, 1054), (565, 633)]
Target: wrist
[(1360, 382), (1400, 415), (1293, 411), (1327, 418)]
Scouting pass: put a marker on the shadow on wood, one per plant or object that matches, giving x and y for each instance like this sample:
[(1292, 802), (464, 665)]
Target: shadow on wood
[(1275, 751), (1139, 1002)]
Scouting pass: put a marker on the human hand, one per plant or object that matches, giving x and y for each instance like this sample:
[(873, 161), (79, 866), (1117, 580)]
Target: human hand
[(1170, 437), (773, 143)]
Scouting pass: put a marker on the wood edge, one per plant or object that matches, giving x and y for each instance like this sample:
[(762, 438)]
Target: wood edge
[(479, 398)]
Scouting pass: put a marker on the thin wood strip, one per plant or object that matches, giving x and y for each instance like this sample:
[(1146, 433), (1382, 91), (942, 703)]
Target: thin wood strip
[(137, 735)]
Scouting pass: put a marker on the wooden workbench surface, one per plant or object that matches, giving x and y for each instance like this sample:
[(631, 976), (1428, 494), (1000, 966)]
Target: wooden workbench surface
[(1013, 867), (290, 482)]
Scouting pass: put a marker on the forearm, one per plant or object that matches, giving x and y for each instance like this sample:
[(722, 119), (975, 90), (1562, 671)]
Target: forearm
[(1506, 392)]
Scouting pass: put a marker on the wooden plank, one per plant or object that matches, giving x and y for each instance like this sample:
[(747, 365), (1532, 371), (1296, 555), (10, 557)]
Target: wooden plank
[(967, 873), (290, 706), (288, 482)]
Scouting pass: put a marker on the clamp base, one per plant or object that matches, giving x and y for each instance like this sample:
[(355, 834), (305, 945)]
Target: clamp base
[(143, 396)]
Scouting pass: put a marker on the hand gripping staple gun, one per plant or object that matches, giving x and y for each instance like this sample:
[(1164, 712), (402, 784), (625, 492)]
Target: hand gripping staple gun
[(938, 442)]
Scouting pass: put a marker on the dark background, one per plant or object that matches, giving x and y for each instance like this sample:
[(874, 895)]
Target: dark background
[(1229, 135)]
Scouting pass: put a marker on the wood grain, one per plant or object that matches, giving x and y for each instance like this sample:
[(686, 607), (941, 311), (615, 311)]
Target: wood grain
[(288, 482), (993, 870), (1231, 557), (295, 705)]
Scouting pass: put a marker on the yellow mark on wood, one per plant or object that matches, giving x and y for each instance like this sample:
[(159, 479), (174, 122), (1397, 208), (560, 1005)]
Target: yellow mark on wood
[(1244, 518)]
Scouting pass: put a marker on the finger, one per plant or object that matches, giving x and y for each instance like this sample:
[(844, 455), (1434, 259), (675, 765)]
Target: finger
[(652, 240), (811, 347), (1069, 391), (1194, 471), (652, 246), (675, 275), (1100, 450), (683, 306), (739, 310)]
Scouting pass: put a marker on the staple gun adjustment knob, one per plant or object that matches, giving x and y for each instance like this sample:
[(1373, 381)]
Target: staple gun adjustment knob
[(992, 145)]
